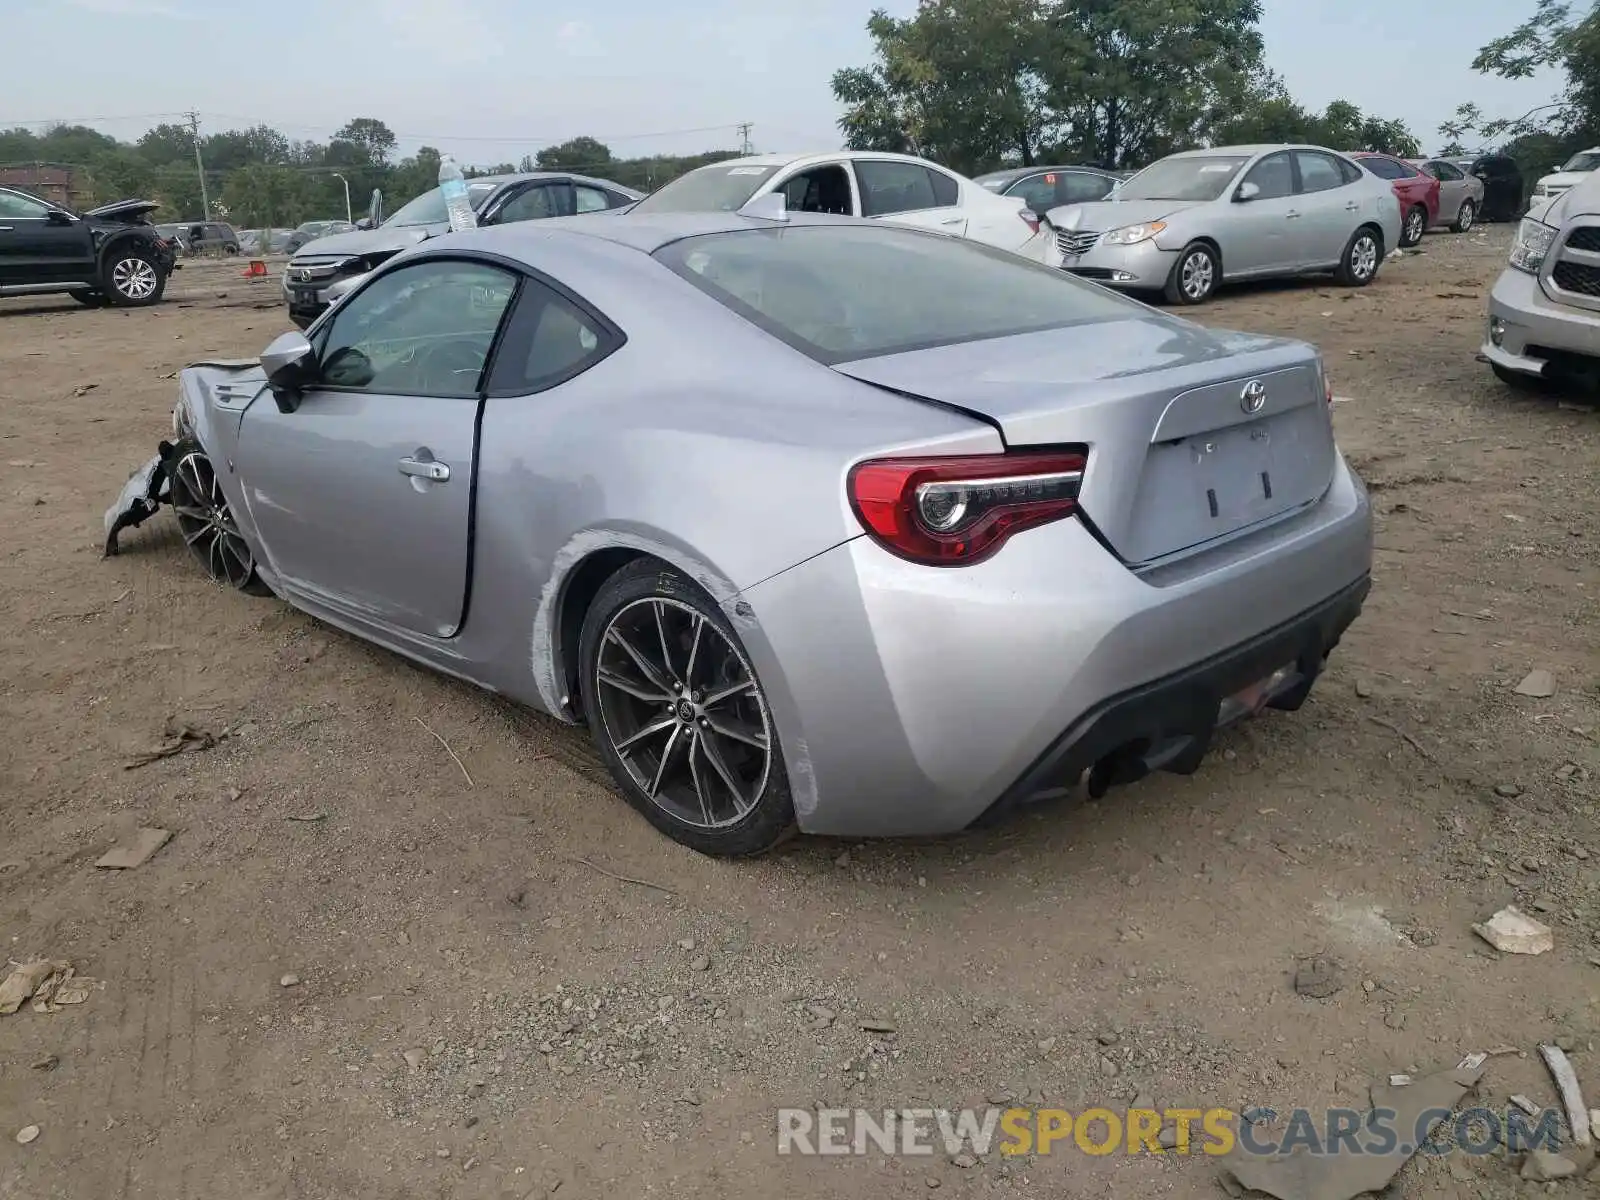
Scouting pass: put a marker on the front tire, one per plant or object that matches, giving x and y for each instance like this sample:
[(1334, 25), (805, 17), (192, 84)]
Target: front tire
[(1416, 224), (1358, 265), (1465, 217), (1194, 276), (207, 523), (678, 715), (133, 277)]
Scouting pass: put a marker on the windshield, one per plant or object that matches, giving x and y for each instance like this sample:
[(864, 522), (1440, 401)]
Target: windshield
[(843, 292), (1588, 160), (1204, 177), (717, 188), (428, 208)]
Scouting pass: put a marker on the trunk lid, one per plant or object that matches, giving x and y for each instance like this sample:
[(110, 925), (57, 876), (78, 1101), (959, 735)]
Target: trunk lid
[(130, 211), (1184, 449)]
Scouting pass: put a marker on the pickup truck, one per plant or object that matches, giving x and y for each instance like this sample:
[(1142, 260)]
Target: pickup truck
[(1544, 310)]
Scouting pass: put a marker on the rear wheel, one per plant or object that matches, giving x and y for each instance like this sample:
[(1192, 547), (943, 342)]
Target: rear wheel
[(1194, 276), (1416, 224), (1358, 266), (207, 523), (133, 277), (1465, 216), (678, 715)]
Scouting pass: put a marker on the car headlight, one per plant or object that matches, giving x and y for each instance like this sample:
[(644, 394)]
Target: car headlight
[(1533, 242), (1132, 235)]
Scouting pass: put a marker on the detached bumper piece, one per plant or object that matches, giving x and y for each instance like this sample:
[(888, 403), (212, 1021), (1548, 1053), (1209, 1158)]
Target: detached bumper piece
[(146, 490), (1168, 725)]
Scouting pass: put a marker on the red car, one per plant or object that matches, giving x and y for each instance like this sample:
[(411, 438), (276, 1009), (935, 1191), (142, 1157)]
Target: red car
[(1418, 193)]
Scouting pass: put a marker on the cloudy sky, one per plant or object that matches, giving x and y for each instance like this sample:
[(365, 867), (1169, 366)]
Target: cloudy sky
[(491, 80)]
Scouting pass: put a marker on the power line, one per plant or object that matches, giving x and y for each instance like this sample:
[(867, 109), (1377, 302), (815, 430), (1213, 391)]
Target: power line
[(479, 137), (7, 123)]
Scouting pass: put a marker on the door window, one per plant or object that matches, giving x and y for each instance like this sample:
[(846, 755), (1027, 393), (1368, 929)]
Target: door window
[(530, 204), (1446, 172), (1274, 175), (1318, 172), (820, 190), (21, 208), (897, 187), (588, 199), (422, 330), (1038, 192), (1080, 187), (946, 191)]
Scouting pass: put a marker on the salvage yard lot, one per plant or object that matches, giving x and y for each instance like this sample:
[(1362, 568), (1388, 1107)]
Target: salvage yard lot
[(354, 971)]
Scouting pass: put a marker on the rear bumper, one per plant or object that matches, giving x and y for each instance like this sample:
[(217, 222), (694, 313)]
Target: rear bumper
[(1535, 330), (913, 700), (1168, 725)]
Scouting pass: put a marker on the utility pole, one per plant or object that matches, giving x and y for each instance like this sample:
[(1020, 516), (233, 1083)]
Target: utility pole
[(745, 147), (194, 128)]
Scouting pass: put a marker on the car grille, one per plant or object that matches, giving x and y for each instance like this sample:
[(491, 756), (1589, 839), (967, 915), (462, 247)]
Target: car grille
[(321, 269), (1073, 242), (1577, 277), (1585, 238)]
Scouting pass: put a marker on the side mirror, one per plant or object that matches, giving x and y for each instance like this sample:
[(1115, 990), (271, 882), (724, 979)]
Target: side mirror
[(1247, 191), (56, 217), (288, 362)]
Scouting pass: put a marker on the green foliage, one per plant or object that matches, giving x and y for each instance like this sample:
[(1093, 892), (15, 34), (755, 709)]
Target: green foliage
[(258, 177), (983, 83)]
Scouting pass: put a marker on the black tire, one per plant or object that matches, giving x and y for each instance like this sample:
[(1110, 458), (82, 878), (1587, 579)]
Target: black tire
[(1413, 226), (1194, 276), (133, 276), (88, 298), (1466, 217), (693, 745), (231, 248), (207, 524), (1363, 255)]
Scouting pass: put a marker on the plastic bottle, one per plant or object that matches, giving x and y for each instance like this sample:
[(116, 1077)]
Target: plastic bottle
[(454, 186)]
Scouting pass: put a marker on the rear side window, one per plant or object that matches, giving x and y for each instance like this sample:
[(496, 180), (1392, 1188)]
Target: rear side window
[(1384, 168), (1318, 172), (897, 187), (548, 340), (1348, 170), (1080, 187), (946, 191), (839, 292)]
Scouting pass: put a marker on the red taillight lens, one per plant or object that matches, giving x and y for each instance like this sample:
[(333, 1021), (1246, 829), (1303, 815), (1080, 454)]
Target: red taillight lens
[(1030, 219), (952, 512)]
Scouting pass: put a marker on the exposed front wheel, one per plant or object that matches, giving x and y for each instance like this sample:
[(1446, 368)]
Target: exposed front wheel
[(678, 715), (1416, 224), (133, 278), (1465, 216), (207, 523), (1194, 276), (1358, 266)]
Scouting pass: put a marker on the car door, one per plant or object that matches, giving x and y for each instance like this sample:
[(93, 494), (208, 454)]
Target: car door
[(1453, 188), (909, 193), (1330, 210), (363, 494), (1255, 234), (38, 247)]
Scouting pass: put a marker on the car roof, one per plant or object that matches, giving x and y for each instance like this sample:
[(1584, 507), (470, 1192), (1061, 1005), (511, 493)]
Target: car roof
[(1250, 150), (526, 176), (786, 160), (1018, 172), (644, 232)]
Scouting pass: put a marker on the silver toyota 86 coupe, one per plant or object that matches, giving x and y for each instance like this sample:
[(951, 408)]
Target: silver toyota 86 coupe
[(815, 523)]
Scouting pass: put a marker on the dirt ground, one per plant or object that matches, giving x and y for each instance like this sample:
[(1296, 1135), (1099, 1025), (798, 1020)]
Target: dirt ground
[(573, 1032)]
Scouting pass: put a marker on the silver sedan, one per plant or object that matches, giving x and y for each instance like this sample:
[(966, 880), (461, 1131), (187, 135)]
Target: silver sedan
[(812, 521), (1193, 221)]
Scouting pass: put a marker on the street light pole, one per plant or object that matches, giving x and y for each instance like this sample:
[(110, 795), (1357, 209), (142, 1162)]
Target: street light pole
[(348, 217)]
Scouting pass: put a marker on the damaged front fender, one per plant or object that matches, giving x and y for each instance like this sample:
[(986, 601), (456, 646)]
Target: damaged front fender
[(146, 491)]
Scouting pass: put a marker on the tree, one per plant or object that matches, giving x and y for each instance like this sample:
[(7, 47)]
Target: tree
[(374, 138), (167, 143), (582, 154), (1552, 38)]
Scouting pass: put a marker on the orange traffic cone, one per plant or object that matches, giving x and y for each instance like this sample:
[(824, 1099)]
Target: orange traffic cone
[(256, 270)]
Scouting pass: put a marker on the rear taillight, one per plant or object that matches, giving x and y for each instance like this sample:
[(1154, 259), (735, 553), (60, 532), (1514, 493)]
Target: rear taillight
[(1029, 219), (952, 512)]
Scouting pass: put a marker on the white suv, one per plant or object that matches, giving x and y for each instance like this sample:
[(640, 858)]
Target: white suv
[(1568, 175)]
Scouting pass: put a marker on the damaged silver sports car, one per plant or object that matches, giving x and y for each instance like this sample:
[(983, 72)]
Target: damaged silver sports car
[(814, 522)]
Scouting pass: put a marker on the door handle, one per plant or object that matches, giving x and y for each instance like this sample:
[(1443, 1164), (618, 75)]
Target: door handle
[(1291, 216), (1352, 207), (953, 221), (5, 229), (437, 472)]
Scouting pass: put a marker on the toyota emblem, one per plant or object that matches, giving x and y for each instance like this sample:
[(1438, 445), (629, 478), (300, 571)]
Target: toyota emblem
[(1253, 397)]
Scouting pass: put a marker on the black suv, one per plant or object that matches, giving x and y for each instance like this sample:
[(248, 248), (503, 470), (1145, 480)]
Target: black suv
[(110, 254)]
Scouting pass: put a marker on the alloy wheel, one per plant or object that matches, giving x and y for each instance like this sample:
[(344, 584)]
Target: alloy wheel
[(1197, 275), (681, 707), (1414, 226), (134, 278), (1364, 257), (207, 523), (1466, 216)]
